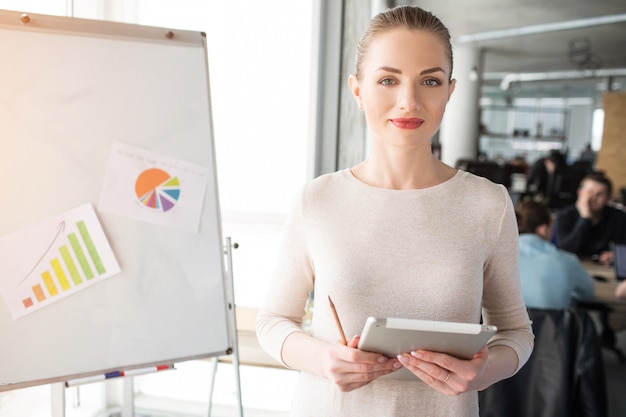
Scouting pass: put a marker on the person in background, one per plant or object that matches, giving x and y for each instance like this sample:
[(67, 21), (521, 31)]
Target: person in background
[(539, 174), (588, 227), (400, 234), (551, 278), (588, 157)]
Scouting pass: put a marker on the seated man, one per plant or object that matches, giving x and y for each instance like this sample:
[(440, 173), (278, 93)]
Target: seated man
[(588, 227), (551, 278)]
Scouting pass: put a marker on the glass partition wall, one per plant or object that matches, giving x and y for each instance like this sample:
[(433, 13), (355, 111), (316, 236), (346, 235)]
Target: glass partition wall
[(529, 119)]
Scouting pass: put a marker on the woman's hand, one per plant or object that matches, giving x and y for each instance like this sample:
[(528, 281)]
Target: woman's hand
[(349, 368), (446, 373)]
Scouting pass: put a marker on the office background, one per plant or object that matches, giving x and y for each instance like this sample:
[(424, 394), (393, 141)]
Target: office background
[(283, 113)]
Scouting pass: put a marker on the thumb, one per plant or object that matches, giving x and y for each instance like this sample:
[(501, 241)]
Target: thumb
[(354, 342)]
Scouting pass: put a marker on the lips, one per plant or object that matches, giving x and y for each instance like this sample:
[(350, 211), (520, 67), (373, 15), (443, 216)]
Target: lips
[(407, 123)]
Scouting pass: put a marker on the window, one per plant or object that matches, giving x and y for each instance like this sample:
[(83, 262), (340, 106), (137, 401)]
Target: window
[(597, 128), (259, 65)]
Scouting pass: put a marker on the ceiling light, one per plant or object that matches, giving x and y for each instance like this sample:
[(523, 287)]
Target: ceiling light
[(508, 79), (543, 28)]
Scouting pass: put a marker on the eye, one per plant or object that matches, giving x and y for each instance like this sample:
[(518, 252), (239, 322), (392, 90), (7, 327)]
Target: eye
[(387, 81), (432, 82)]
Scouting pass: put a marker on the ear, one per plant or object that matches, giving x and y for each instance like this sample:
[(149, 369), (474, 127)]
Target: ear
[(353, 83), (451, 88), (544, 231)]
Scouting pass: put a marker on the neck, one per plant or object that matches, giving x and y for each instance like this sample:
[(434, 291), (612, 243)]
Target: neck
[(596, 216), (403, 170)]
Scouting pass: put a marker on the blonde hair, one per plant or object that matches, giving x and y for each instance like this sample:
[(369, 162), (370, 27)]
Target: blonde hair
[(409, 17)]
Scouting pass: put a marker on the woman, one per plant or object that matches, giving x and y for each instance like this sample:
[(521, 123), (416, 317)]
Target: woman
[(399, 235)]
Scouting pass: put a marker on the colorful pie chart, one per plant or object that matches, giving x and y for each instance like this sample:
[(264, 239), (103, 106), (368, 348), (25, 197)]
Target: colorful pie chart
[(157, 189)]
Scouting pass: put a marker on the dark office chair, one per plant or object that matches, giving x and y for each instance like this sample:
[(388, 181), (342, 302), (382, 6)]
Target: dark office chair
[(488, 169), (563, 377), (607, 333), (563, 186)]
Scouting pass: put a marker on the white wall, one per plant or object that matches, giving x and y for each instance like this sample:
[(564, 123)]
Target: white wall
[(580, 122)]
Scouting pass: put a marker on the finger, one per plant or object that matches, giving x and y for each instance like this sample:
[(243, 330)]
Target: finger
[(483, 352), (439, 380), (430, 373), (363, 362), (436, 373), (354, 375), (439, 360), (437, 368), (354, 342)]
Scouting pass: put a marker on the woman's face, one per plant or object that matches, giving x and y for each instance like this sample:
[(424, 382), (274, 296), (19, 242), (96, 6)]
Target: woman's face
[(404, 87)]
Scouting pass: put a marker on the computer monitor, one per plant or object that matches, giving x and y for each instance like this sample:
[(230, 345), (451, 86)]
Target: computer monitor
[(619, 260)]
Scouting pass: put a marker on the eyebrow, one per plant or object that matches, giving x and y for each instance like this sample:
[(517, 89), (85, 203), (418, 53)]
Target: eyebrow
[(426, 71)]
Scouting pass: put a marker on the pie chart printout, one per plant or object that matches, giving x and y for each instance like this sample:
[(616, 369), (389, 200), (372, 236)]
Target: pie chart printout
[(147, 186), (157, 190)]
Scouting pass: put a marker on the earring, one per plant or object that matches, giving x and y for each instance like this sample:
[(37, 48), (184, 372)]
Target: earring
[(361, 106)]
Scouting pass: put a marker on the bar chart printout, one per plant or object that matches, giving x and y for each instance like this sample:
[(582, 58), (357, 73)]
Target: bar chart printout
[(51, 260)]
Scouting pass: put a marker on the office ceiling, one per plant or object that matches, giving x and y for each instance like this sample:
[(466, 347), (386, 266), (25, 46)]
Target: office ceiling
[(594, 48)]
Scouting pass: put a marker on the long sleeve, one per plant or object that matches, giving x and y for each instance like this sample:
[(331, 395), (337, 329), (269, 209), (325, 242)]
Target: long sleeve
[(580, 236), (571, 230), (283, 310), (503, 297), (445, 253), (551, 277), (583, 286)]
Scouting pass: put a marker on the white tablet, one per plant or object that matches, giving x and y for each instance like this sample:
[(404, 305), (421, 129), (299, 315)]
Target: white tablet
[(392, 336)]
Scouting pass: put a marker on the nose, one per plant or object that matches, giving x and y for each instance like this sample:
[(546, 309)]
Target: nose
[(408, 97)]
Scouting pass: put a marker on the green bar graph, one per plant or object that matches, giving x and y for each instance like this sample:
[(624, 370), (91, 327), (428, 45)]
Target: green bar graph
[(64, 254), (80, 255), (70, 265), (91, 248), (76, 255)]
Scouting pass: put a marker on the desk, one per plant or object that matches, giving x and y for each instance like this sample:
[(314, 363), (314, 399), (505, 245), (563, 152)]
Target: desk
[(596, 269), (612, 310), (605, 291), (250, 352)]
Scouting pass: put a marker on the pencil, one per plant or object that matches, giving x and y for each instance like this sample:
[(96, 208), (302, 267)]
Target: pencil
[(334, 311)]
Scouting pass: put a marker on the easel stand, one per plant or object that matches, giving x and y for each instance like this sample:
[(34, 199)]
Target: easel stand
[(232, 328), (57, 399), (127, 409)]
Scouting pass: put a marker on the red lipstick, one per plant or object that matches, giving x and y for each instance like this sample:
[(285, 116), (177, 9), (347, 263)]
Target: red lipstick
[(407, 122)]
